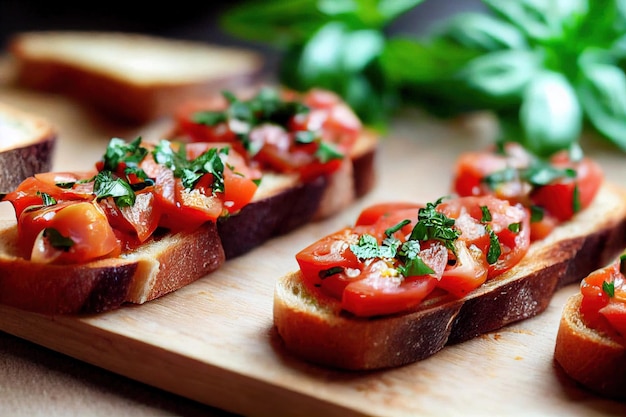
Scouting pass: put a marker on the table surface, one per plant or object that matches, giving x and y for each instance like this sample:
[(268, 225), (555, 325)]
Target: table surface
[(37, 381)]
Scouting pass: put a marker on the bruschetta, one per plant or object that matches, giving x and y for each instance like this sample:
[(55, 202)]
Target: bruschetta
[(406, 279), (591, 339), (151, 217)]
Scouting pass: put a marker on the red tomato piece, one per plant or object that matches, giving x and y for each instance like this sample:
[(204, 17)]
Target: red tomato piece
[(468, 272), (83, 223), (510, 224), (379, 293), (567, 196)]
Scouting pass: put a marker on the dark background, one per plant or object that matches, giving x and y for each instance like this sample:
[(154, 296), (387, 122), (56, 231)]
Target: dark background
[(182, 19)]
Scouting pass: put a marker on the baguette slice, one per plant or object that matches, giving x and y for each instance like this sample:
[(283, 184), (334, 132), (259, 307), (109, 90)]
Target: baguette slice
[(315, 329), (162, 265), (593, 359), (27, 144), (130, 77)]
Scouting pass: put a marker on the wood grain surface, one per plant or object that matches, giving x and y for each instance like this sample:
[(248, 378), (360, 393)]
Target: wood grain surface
[(213, 341)]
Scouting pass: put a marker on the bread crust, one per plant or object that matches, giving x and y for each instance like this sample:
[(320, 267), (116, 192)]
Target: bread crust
[(589, 357), (319, 332), (121, 97), (158, 267), (28, 146)]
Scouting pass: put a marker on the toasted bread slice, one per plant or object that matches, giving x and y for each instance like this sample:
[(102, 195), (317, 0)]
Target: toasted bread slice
[(590, 357), (133, 78), (27, 144), (160, 266), (314, 328)]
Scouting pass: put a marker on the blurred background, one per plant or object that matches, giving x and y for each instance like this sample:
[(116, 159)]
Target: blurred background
[(186, 20)]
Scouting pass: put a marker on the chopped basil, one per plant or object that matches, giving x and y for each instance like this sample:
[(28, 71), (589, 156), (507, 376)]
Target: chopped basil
[(496, 178), (608, 288), (119, 151), (515, 227), (495, 250), (105, 185), (397, 227), (47, 199), (57, 240), (486, 214), (366, 248), (413, 263), (190, 172), (432, 224), (267, 107), (330, 271), (538, 173)]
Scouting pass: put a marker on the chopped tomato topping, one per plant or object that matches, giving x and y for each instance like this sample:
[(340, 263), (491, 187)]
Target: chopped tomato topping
[(135, 189), (554, 189), (398, 253), (307, 133), (603, 306)]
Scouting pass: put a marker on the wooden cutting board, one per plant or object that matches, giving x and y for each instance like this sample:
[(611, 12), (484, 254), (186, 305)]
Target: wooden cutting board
[(213, 341)]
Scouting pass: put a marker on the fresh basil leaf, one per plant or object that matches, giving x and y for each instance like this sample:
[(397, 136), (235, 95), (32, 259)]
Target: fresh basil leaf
[(481, 32), (550, 114), (502, 74), (602, 92), (276, 22), (529, 15)]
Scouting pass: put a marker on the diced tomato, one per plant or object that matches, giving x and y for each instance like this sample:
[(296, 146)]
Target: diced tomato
[(140, 220), (615, 314), (508, 176), (376, 296), (378, 293), (567, 196), (397, 211), (510, 223), (329, 264), (472, 168), (468, 272), (83, 223), (600, 308), (57, 185), (159, 200), (274, 145)]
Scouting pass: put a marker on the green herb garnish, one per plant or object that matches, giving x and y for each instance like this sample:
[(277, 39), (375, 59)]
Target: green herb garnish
[(432, 224), (57, 240), (47, 199), (608, 288), (190, 172), (495, 250), (106, 185)]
